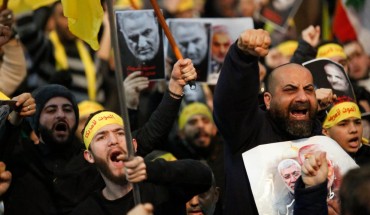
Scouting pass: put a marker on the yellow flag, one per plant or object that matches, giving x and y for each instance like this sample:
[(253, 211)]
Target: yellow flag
[(21, 6), (84, 19)]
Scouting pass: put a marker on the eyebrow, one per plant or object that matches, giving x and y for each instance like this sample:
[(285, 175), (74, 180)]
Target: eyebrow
[(106, 131)]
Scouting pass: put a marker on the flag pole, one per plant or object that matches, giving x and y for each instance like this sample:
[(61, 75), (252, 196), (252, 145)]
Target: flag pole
[(121, 90), (169, 36)]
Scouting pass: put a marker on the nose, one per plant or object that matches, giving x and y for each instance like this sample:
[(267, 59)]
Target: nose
[(113, 139), (60, 113), (194, 201), (353, 128), (192, 48), (301, 96), (142, 41)]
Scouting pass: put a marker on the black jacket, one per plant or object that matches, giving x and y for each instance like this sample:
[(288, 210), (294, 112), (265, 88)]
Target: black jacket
[(53, 181), (168, 187), (243, 125)]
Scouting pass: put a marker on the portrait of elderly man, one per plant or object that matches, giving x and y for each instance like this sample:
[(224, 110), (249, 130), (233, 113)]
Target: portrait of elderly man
[(289, 170), (193, 40), (140, 31)]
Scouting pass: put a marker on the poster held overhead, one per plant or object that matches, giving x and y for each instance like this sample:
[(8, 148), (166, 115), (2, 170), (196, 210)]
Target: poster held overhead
[(328, 74), (140, 40)]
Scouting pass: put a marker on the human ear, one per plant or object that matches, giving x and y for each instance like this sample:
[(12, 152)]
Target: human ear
[(267, 99), (325, 132), (88, 156)]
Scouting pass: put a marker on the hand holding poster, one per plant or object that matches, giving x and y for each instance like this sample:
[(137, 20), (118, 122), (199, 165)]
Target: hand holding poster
[(274, 168), (220, 33)]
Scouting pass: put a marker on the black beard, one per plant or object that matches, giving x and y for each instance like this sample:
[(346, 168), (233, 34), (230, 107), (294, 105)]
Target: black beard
[(48, 138), (104, 170), (295, 128)]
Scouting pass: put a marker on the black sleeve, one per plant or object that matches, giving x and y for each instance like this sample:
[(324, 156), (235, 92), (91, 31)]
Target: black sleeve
[(304, 52), (190, 177), (155, 132), (236, 100), (312, 200)]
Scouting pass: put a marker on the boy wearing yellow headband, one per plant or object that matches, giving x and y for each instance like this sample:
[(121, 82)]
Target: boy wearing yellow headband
[(167, 185), (343, 124)]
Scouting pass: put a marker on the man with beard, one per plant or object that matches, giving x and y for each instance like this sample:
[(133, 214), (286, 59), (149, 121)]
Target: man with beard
[(198, 139), (166, 185), (291, 108), (50, 176)]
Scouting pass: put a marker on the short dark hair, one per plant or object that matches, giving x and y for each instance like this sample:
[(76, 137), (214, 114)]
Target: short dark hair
[(355, 192)]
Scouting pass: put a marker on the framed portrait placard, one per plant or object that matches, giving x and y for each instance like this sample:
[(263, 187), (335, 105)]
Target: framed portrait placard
[(331, 75), (140, 39), (220, 34)]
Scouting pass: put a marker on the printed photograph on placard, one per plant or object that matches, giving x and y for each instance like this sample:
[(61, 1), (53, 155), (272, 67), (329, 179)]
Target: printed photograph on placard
[(328, 74), (278, 12), (140, 39), (223, 32), (192, 38), (273, 170)]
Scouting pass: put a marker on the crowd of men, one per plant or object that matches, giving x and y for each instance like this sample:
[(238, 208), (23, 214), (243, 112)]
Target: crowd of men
[(63, 145)]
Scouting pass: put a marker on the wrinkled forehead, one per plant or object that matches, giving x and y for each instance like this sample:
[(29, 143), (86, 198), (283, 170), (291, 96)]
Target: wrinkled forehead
[(292, 73)]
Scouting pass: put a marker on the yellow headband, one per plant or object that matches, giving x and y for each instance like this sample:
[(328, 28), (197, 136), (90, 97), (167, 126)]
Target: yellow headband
[(287, 48), (3, 96), (330, 50), (87, 107), (185, 5), (341, 111), (97, 122), (191, 110)]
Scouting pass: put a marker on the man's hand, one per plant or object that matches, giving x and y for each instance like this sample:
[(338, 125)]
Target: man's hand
[(5, 34), (135, 170), (315, 169), (311, 35), (255, 42), (5, 179), (134, 83), (142, 209), (25, 104), (325, 97), (182, 72)]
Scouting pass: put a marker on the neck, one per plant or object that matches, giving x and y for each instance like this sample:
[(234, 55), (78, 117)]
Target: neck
[(114, 191)]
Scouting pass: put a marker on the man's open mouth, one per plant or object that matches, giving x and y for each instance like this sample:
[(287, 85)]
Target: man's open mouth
[(299, 113), (114, 156), (61, 127)]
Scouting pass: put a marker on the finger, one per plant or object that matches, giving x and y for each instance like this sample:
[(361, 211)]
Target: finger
[(189, 76), (2, 167), (252, 41), (266, 40), (310, 170), (6, 176), (138, 80), (133, 75), (185, 62)]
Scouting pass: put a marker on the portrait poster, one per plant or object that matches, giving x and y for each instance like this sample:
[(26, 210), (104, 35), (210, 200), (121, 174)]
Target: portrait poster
[(192, 38), (271, 167), (223, 32), (278, 12), (331, 75), (140, 39)]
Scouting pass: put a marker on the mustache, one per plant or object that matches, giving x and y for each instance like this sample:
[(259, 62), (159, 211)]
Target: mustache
[(296, 106), (201, 133)]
